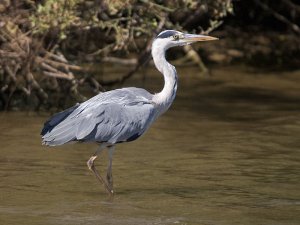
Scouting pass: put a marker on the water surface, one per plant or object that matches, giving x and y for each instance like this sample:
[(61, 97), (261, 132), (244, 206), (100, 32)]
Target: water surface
[(227, 152)]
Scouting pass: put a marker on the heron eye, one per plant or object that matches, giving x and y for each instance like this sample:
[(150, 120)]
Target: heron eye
[(176, 37)]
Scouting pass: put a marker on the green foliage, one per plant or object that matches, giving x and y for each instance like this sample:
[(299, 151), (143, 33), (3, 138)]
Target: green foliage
[(125, 20), (55, 14)]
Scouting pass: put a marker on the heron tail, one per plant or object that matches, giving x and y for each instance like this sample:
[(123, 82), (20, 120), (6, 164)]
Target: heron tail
[(54, 121)]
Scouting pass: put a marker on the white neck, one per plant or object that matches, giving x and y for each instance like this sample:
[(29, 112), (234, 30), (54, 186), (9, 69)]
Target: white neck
[(164, 98)]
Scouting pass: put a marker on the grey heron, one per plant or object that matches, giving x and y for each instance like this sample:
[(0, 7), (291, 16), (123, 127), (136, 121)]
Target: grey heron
[(120, 115)]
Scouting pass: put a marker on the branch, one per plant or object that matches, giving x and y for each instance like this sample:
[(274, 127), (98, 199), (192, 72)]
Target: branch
[(59, 58), (59, 75), (55, 64), (278, 16), (292, 5), (125, 62), (150, 3)]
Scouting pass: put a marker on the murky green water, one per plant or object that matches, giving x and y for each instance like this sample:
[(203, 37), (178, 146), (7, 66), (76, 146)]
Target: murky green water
[(227, 152)]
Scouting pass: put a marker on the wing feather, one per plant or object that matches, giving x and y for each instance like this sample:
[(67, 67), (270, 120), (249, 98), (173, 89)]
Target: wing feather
[(115, 116)]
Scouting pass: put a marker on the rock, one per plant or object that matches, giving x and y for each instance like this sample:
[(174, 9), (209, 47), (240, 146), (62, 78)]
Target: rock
[(219, 58), (235, 53)]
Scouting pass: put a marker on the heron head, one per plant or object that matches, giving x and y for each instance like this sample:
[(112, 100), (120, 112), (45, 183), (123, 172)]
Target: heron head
[(172, 38)]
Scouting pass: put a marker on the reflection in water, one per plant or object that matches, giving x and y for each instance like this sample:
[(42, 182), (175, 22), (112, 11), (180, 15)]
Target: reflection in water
[(227, 152)]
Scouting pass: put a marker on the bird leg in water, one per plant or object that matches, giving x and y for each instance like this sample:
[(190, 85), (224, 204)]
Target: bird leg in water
[(91, 166), (109, 177)]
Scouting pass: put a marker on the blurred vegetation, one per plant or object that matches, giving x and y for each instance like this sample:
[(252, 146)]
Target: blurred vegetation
[(262, 33), (44, 43)]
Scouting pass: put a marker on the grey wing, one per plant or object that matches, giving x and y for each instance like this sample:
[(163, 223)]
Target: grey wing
[(117, 123), (116, 116)]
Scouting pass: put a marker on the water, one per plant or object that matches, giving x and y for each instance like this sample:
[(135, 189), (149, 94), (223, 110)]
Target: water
[(226, 153)]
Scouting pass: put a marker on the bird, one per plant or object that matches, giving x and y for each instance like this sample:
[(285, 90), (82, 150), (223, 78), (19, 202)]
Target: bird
[(120, 115)]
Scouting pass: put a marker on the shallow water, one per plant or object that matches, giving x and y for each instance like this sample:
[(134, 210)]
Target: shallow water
[(227, 152)]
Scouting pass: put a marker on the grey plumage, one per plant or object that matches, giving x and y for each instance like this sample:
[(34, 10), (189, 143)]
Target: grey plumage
[(112, 117), (120, 115)]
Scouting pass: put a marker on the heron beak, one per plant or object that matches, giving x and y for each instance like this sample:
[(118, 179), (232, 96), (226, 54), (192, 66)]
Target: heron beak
[(196, 37)]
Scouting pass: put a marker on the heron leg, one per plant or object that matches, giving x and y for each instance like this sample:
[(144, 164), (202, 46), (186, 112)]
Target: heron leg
[(109, 176), (91, 166)]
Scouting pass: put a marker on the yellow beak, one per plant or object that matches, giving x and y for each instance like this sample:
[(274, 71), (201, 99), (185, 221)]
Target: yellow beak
[(196, 37)]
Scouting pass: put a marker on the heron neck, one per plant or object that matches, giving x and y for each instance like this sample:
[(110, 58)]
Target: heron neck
[(167, 95)]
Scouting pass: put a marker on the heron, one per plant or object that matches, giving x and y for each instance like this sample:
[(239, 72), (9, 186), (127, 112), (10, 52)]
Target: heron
[(120, 115)]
